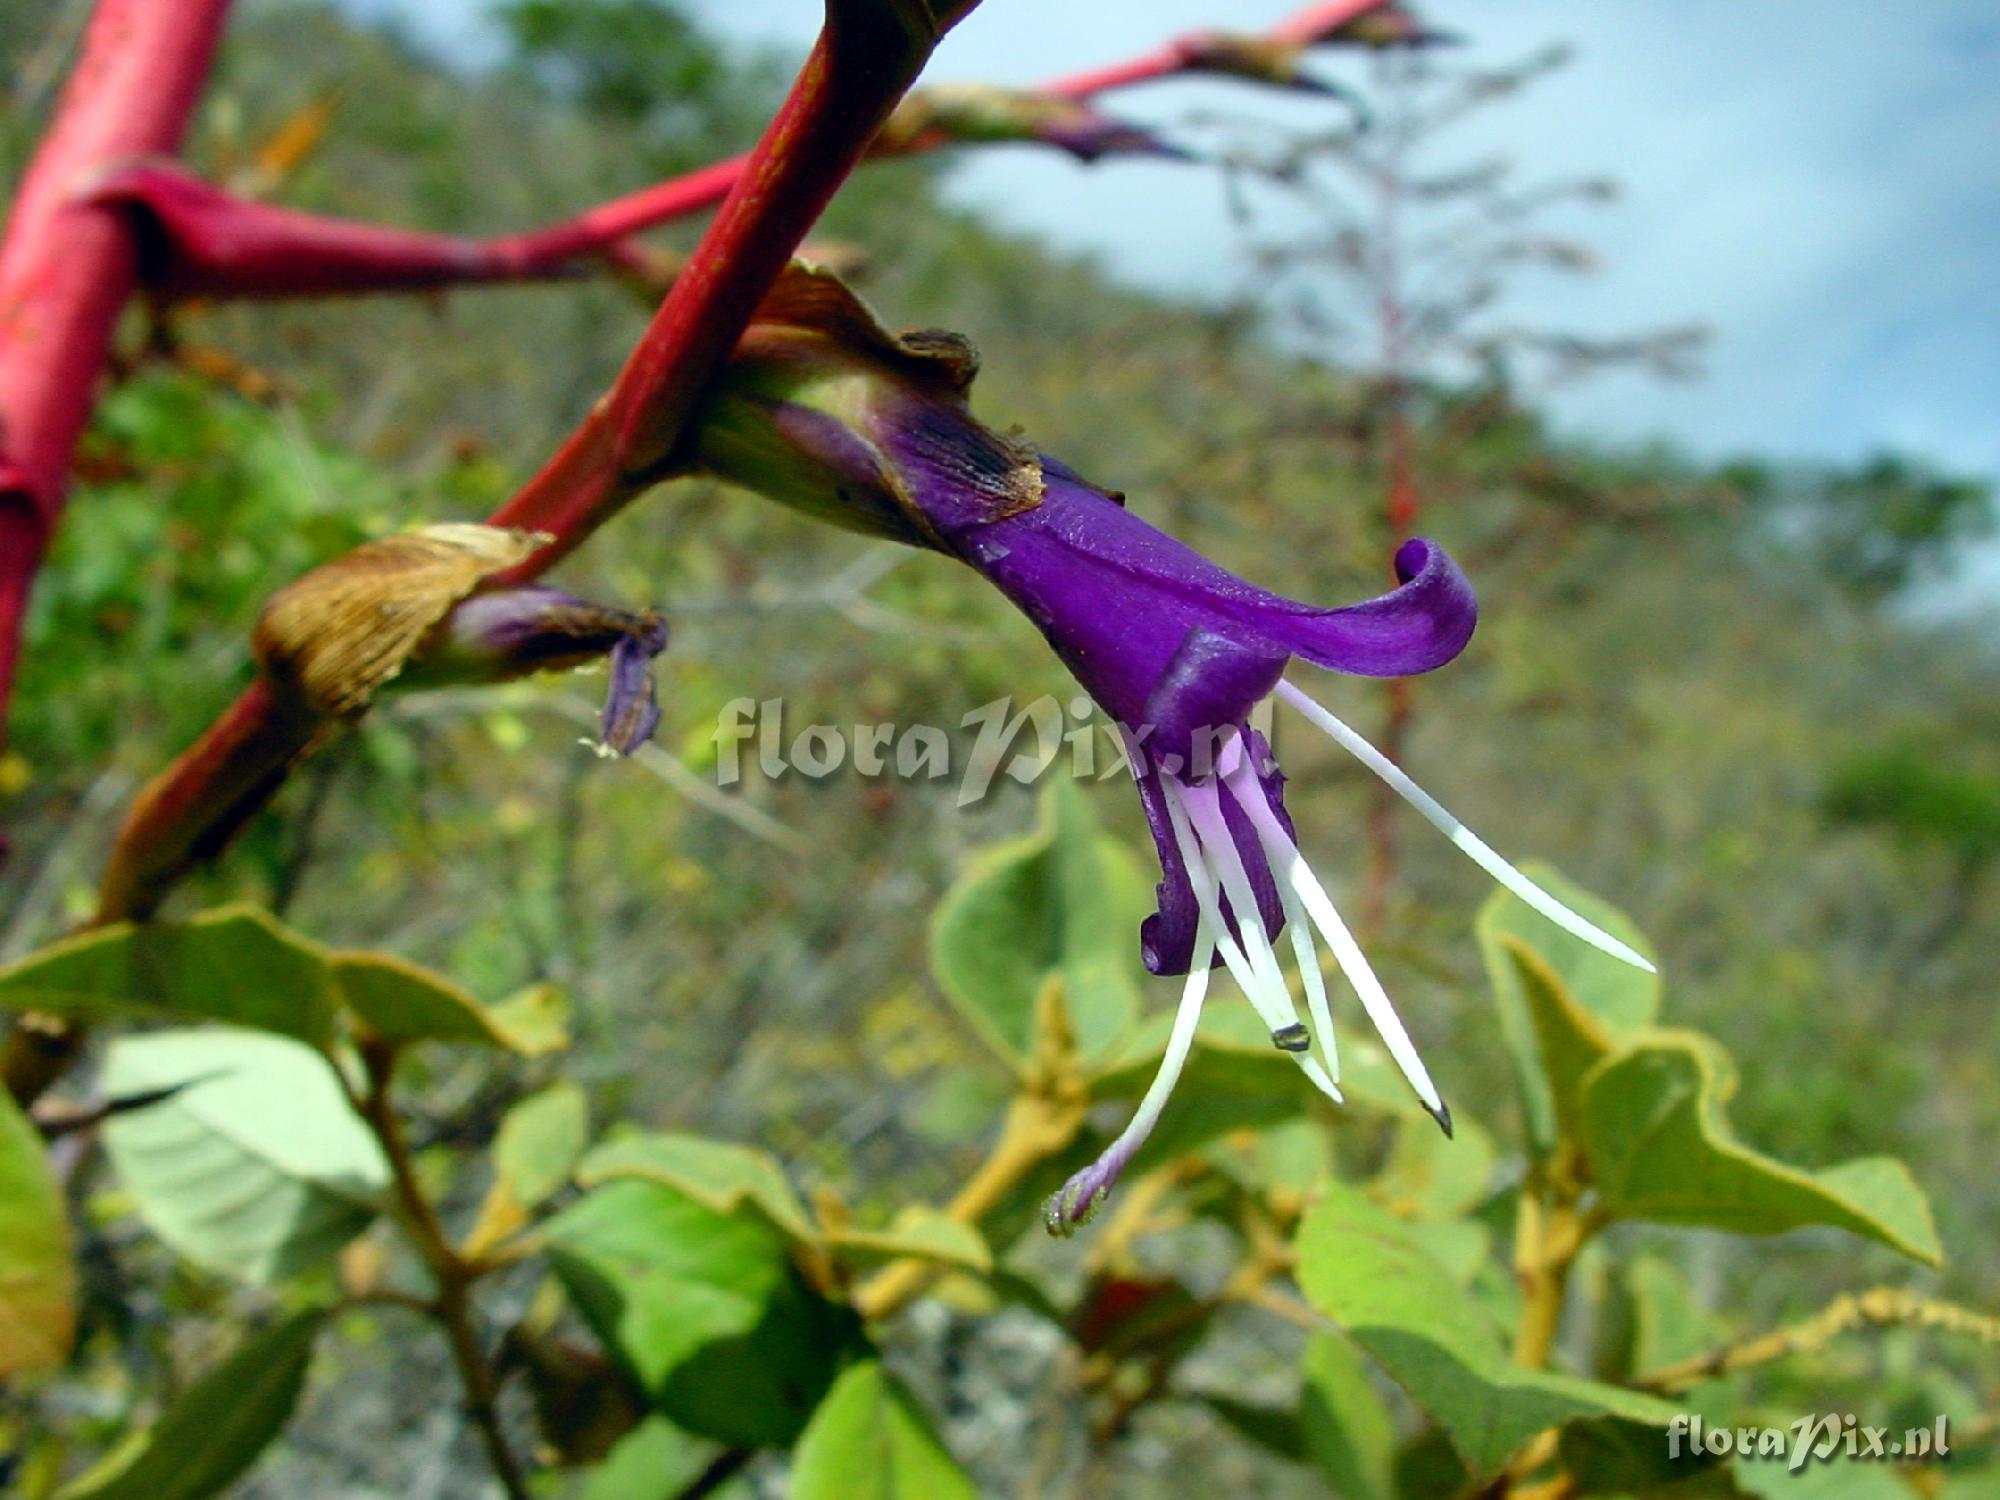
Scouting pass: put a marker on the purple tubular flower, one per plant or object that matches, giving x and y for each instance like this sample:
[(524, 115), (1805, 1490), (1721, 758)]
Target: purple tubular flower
[(824, 410), (1176, 649), (1179, 651)]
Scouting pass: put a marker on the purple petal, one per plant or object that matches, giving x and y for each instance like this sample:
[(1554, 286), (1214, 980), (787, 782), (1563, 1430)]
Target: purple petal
[(1117, 598), (1209, 684), (1166, 939), (1095, 136), (631, 708), (1170, 644), (1421, 625)]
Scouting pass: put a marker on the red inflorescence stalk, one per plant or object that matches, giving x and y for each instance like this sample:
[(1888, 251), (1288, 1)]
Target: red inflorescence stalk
[(1304, 27), (219, 246), (853, 78), (1316, 22), (836, 105), (67, 266), (608, 223), (1162, 62)]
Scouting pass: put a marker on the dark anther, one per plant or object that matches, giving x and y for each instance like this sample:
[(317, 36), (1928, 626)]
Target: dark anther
[(1292, 1038)]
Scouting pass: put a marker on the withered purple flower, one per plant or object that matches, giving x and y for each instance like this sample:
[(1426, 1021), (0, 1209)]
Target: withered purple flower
[(510, 632), (827, 412), (423, 609)]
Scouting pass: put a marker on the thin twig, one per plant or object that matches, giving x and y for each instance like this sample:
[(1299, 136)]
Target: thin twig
[(1879, 1307), (452, 1305)]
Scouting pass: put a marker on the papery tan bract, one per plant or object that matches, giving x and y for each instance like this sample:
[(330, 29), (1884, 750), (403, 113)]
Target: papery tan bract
[(344, 630)]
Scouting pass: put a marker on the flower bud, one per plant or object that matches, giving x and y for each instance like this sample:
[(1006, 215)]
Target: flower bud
[(968, 113), (1254, 59), (1381, 27)]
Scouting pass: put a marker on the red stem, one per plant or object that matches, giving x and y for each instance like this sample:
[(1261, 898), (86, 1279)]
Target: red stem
[(67, 266), (607, 223), (847, 87), (1163, 62), (190, 810), (835, 107), (1313, 23), (217, 246)]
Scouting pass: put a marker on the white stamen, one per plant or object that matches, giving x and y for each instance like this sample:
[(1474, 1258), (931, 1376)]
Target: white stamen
[(1474, 847), (1217, 855), (1180, 1041), (1311, 1067), (1243, 785), (1202, 880), (1291, 869), (1204, 809)]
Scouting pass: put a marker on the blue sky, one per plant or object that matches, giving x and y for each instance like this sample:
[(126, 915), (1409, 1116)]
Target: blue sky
[(1818, 182)]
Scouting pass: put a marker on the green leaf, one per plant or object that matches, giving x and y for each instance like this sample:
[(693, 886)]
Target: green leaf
[(1431, 1176), (870, 1440), (1661, 1150), (704, 1307), (1287, 1159), (234, 965), (1224, 1087), (1362, 1268), (654, 1461), (257, 1168), (217, 1427), (1970, 1484), (1065, 900), (535, 1021), (1669, 1324), (1569, 1040), (540, 1140), (1463, 1247), (1836, 1479), (1347, 1427), (718, 1174), (1624, 1460), (1621, 998), (37, 1276), (1271, 1428), (404, 1002), (920, 1231)]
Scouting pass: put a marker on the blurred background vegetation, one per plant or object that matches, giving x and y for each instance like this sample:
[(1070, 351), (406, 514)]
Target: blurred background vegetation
[(1708, 693)]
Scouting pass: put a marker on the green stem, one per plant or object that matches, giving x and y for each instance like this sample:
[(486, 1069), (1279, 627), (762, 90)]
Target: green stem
[(1549, 1231), (1880, 1307)]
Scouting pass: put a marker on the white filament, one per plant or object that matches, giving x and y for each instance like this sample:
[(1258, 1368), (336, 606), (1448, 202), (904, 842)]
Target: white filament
[(1180, 1041), (1208, 850), (1204, 809), (1202, 880), (1290, 868), (1474, 847), (1300, 930)]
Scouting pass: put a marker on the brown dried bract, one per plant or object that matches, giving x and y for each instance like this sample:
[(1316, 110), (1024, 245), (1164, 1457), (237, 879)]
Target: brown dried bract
[(339, 634)]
